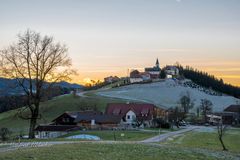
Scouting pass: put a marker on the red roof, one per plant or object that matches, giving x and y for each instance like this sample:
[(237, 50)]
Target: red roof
[(140, 110)]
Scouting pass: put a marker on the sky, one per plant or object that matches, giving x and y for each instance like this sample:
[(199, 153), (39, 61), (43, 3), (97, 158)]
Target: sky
[(110, 37)]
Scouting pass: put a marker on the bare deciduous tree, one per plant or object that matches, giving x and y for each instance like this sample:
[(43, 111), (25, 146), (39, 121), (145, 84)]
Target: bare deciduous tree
[(37, 62), (186, 103), (221, 131), (206, 108)]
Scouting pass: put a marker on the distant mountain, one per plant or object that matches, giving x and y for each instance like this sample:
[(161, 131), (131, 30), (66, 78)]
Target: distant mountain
[(11, 87), (69, 85)]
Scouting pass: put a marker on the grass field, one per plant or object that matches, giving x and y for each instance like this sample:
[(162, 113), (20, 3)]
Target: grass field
[(104, 135), (208, 140), (53, 108), (120, 135), (119, 151)]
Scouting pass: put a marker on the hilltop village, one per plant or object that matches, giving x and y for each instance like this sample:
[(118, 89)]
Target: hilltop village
[(150, 74)]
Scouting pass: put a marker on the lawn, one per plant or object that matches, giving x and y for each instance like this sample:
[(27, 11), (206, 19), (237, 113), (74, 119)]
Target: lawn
[(208, 140), (119, 151), (53, 108), (120, 135)]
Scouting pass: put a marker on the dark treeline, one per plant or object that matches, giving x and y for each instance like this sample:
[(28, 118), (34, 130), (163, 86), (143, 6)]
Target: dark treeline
[(12, 102), (209, 81), (16, 101)]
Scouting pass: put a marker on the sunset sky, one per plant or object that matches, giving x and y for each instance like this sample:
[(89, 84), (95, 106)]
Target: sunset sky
[(108, 37)]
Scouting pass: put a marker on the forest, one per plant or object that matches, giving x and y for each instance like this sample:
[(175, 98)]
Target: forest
[(209, 81)]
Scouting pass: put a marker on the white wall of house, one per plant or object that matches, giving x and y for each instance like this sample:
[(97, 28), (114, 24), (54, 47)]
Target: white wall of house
[(93, 122), (154, 72), (130, 117), (173, 72), (146, 77), (169, 76), (136, 80), (48, 134)]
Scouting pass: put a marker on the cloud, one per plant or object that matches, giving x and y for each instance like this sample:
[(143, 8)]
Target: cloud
[(178, 1)]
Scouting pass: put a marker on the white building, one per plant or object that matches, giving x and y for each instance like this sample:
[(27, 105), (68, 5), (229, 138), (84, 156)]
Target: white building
[(130, 117), (171, 71), (136, 79)]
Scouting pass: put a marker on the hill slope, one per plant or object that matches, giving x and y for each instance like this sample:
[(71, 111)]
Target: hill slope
[(167, 94), (53, 108)]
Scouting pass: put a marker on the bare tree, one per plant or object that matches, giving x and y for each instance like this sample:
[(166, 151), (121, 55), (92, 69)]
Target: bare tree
[(221, 131), (206, 108), (176, 116), (186, 103), (36, 62)]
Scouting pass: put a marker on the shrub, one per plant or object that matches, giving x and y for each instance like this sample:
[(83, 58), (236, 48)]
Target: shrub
[(4, 134)]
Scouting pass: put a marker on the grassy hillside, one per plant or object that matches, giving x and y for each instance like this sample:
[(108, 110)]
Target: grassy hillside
[(118, 151), (53, 108)]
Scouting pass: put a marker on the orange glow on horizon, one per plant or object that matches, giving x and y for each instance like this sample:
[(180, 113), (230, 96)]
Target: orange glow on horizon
[(230, 79), (229, 71)]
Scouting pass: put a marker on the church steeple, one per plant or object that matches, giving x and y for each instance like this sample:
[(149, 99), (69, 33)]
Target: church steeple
[(157, 63)]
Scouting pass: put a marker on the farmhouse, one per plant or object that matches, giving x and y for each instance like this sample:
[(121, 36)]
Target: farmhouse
[(69, 118), (133, 113), (70, 121), (88, 120)]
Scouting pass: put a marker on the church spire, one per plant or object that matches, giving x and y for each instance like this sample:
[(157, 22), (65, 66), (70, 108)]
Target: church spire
[(157, 63)]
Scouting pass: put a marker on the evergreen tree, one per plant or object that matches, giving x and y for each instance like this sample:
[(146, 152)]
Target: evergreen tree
[(162, 75)]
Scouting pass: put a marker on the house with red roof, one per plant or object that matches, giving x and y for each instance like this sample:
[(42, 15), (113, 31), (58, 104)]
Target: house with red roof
[(135, 114)]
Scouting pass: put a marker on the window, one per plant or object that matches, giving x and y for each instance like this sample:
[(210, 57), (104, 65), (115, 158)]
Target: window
[(128, 116), (66, 120)]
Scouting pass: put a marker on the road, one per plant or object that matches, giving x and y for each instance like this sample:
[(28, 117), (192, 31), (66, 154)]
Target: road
[(163, 137)]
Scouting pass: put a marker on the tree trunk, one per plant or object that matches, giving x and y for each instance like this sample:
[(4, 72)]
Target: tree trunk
[(224, 148), (205, 118), (33, 123)]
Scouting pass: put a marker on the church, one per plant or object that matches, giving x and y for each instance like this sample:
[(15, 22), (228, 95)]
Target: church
[(154, 71), (150, 73)]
